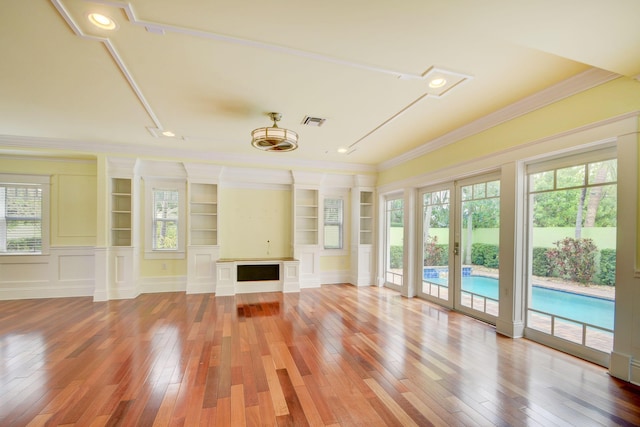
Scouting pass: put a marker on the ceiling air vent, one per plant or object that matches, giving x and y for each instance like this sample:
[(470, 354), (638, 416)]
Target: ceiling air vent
[(313, 121)]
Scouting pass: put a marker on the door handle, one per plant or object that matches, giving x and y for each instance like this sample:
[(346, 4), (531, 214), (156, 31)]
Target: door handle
[(456, 248)]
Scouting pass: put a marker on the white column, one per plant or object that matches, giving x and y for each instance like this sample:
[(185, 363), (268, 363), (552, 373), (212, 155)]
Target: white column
[(513, 251)]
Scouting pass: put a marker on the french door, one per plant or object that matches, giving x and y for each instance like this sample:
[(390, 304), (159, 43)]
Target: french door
[(572, 253), (460, 229)]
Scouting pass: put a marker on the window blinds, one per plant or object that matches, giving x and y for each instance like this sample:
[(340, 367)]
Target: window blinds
[(20, 218)]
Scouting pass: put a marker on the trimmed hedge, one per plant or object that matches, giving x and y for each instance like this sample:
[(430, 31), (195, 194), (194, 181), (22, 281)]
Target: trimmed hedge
[(395, 257), (485, 254), (607, 275), (541, 266)]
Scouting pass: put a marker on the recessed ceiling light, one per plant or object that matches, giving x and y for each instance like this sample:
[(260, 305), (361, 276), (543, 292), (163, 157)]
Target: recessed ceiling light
[(437, 82), (102, 21), (168, 133), (342, 150)]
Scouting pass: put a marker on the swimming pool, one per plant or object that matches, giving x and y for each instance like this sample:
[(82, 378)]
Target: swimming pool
[(583, 308)]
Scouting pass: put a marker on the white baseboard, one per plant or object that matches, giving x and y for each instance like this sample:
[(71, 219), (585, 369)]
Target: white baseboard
[(335, 277), (34, 290), (621, 367)]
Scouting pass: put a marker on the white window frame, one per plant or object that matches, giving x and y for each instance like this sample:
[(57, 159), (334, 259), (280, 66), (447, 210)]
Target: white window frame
[(44, 182), (339, 223), (344, 196), (151, 184)]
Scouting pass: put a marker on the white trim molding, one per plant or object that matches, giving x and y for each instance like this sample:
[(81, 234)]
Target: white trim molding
[(571, 86)]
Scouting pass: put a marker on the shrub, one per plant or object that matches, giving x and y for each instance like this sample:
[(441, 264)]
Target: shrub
[(395, 257), (435, 254), (445, 254), (477, 254), (540, 265), (25, 244), (607, 274), (574, 259), (485, 254)]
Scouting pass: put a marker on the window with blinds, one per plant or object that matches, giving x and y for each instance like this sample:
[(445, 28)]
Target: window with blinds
[(20, 218), (165, 219), (333, 223)]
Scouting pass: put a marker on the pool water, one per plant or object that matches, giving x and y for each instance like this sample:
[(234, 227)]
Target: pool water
[(583, 308)]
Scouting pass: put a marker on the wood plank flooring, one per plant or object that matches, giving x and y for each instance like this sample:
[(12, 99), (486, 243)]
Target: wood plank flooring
[(335, 356)]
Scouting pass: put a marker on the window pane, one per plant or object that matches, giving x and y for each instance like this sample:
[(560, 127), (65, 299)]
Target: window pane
[(493, 189), (435, 244), (333, 214), (541, 181), (20, 219), (479, 191), (466, 193), (600, 172), (394, 241), (165, 219), (165, 234), (571, 177)]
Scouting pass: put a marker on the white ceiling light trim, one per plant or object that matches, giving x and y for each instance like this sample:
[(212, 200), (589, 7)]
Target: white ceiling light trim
[(102, 21), (160, 28), (114, 54), (445, 82)]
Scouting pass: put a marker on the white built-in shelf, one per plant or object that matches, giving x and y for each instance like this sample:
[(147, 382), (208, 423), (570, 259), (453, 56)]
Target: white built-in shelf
[(203, 214), (306, 216), (121, 212), (366, 217)]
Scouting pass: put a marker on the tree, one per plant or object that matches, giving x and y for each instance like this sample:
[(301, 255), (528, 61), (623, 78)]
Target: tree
[(435, 213)]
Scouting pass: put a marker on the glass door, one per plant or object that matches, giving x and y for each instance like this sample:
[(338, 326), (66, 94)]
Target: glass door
[(437, 234), (476, 247), (394, 242), (572, 253)]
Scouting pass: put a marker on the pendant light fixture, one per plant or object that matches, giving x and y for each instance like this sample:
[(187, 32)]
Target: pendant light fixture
[(274, 138)]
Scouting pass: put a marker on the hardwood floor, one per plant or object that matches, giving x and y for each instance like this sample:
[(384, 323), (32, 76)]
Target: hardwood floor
[(338, 355)]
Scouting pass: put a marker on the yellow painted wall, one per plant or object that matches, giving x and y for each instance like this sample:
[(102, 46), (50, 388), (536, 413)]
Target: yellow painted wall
[(335, 263), (608, 100), (254, 223), (162, 267), (73, 196)]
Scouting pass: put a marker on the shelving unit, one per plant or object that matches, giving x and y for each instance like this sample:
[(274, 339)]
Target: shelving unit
[(306, 217), (366, 217), (121, 212), (203, 214)]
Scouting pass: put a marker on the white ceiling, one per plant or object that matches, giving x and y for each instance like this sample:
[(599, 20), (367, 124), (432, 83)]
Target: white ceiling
[(210, 71)]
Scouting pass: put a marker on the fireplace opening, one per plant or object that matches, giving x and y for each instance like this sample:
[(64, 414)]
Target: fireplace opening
[(258, 272)]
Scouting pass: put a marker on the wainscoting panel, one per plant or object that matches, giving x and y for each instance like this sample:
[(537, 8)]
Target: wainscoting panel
[(309, 257), (65, 272), (204, 266), (201, 269), (74, 267)]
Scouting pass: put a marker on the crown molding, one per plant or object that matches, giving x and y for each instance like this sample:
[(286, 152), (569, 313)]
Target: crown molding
[(586, 80), (117, 149), (610, 128)]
